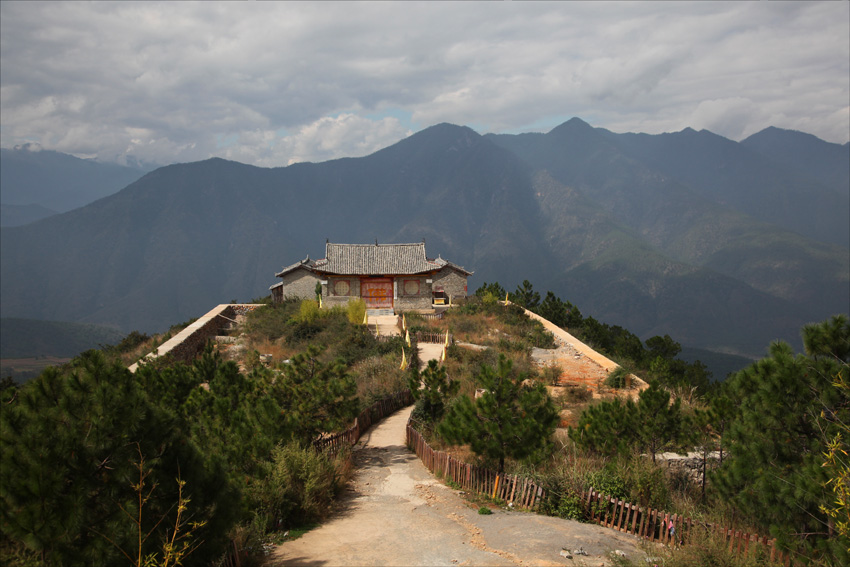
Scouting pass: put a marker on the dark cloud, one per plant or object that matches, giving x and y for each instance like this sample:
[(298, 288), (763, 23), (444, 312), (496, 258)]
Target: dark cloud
[(272, 83)]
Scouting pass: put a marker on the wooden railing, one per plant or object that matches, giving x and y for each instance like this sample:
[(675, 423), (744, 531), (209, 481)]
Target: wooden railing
[(655, 525), (370, 415), (435, 337), (333, 443), (521, 491), (647, 523)]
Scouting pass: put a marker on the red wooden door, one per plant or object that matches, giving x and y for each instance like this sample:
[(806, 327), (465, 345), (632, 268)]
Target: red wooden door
[(377, 293)]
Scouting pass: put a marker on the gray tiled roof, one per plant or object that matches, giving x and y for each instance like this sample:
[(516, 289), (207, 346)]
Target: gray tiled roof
[(444, 263), (375, 259), (305, 263)]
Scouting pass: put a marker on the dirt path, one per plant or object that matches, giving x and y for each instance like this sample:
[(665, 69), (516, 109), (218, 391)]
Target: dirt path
[(396, 513)]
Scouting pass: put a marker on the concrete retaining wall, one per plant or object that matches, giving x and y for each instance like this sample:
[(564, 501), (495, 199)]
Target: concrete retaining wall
[(186, 344)]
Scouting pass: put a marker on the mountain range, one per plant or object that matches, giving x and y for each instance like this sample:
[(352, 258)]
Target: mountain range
[(723, 245), (37, 183)]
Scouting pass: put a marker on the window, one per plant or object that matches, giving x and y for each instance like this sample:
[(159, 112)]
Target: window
[(411, 287), (341, 287)]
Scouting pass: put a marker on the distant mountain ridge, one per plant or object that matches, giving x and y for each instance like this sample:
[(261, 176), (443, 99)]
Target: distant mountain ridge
[(611, 222), (55, 181)]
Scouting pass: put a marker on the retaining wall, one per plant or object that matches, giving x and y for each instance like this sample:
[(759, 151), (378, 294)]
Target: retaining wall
[(186, 344)]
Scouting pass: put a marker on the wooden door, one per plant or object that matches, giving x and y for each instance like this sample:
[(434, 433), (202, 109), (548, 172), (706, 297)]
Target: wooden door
[(377, 293)]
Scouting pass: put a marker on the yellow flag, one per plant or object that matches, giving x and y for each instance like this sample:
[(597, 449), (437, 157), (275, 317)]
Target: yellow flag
[(403, 359), (447, 337), (407, 337), (320, 302), (443, 355), (506, 297), (404, 326), (365, 318)]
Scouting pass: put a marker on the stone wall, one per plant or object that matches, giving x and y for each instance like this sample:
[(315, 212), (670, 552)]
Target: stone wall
[(335, 294), (452, 282), (186, 344), (412, 292), (299, 283)]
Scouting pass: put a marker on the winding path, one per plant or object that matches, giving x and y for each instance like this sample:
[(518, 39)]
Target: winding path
[(396, 513)]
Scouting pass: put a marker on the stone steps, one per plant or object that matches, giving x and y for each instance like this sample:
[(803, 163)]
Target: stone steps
[(379, 312)]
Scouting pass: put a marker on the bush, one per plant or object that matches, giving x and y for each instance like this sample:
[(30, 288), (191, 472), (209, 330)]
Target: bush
[(299, 487), (617, 378), (485, 511), (574, 395), (308, 312), (356, 311)]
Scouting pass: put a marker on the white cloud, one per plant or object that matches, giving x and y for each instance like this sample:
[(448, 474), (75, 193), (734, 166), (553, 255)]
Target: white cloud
[(269, 83)]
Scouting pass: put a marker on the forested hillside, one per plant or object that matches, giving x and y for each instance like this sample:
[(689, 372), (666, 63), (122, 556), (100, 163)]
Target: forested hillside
[(726, 254)]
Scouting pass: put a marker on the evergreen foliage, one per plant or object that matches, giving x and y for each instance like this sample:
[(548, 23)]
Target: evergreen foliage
[(70, 447), (525, 296), (431, 389), (616, 427), (316, 397), (788, 411), (511, 419), (297, 488)]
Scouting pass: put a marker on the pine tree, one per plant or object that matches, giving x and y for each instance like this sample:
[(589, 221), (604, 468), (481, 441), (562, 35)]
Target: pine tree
[(660, 424), (69, 445), (317, 397), (525, 296), (778, 439), (511, 419), (432, 388), (607, 428)]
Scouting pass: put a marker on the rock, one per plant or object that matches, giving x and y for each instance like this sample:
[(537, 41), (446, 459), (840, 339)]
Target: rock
[(620, 553), (565, 553)]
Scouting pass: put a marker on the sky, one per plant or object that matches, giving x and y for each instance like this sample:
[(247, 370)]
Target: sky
[(274, 83)]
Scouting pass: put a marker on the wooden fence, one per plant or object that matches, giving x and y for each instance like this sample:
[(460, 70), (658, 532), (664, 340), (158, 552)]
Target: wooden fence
[(524, 493), (436, 337), (333, 443), (654, 525), (370, 415)]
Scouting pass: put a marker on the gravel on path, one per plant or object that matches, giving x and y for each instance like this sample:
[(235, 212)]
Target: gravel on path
[(396, 513)]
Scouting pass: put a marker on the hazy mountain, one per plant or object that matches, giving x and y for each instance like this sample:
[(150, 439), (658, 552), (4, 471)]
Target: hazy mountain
[(57, 181), (24, 338), (19, 215), (577, 211), (805, 155)]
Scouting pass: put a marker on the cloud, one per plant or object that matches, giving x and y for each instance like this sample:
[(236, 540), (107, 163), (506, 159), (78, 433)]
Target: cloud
[(270, 83)]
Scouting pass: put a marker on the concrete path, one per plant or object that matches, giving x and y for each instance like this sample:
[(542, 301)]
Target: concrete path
[(387, 325), (429, 351), (396, 513)]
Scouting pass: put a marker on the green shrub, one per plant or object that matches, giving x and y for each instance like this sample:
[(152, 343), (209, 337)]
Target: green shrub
[(574, 395), (308, 312), (607, 481), (551, 374), (485, 511), (299, 487), (617, 378), (570, 508), (356, 311)]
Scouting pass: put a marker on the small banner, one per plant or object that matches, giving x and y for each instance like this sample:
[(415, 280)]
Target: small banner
[(403, 360), (404, 326), (407, 338)]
